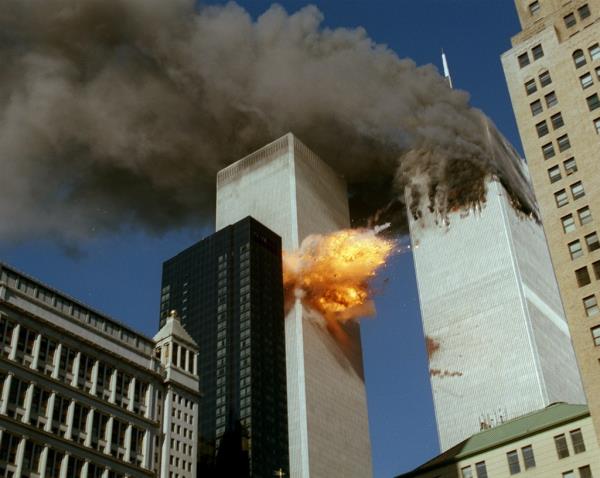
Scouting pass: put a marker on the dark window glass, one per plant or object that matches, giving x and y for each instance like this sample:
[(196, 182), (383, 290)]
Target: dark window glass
[(557, 121), (584, 11), (537, 52), (548, 151), (530, 87), (534, 8), (577, 440), (583, 278), (579, 58), (551, 99), (481, 470), (523, 60), (563, 143), (513, 462), (528, 457), (542, 129), (545, 78), (560, 442), (593, 102), (570, 20)]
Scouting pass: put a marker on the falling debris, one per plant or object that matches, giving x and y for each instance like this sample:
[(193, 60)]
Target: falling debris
[(331, 274), (119, 112)]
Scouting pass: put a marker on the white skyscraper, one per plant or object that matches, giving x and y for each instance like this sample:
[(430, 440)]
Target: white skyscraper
[(498, 340), (289, 189)]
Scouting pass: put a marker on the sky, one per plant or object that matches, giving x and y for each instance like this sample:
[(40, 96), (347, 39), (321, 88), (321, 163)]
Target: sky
[(120, 274)]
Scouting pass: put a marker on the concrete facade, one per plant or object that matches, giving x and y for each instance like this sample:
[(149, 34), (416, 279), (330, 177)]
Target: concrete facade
[(290, 190), (498, 341), (563, 446), (82, 395), (553, 75)]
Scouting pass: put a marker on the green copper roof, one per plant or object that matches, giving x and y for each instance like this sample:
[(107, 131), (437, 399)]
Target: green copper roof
[(535, 422)]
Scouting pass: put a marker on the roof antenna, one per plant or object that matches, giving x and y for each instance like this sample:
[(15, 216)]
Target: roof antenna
[(446, 70)]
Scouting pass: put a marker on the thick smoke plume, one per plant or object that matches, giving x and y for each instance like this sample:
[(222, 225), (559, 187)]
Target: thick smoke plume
[(331, 274), (118, 112)]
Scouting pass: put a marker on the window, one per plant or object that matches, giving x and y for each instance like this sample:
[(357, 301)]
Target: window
[(557, 121), (597, 125), (530, 87), (584, 11), (568, 474), (524, 60), (561, 198), (551, 99), (585, 215), (537, 52), (585, 472), (568, 223), (554, 174), (466, 472), (593, 102), (596, 335), (536, 107), (563, 143), (534, 8), (548, 151), (578, 58), (575, 249), (598, 72), (545, 78), (542, 129), (528, 457), (583, 277), (513, 462), (481, 470), (596, 267), (570, 20), (577, 190), (586, 80), (590, 304), (561, 446), (595, 52), (570, 166), (593, 244)]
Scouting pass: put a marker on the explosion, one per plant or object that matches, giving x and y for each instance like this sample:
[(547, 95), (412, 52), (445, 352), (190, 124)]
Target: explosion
[(331, 274)]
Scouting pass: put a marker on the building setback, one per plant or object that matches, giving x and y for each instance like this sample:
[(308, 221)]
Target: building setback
[(228, 289), (497, 338), (553, 75), (83, 395), (556, 441), (288, 188)]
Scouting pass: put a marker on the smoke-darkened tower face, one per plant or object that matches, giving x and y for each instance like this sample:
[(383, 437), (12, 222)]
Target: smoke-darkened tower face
[(228, 289), (293, 192)]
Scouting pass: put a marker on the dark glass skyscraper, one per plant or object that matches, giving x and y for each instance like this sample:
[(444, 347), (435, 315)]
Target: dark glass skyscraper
[(228, 290)]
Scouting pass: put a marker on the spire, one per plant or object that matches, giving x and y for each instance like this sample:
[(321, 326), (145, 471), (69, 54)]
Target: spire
[(446, 69)]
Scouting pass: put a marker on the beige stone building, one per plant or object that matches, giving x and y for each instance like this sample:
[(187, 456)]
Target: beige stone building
[(553, 75), (557, 441)]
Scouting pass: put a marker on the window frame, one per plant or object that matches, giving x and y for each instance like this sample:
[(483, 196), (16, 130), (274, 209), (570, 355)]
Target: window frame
[(579, 58), (578, 185), (593, 102), (557, 121), (585, 85), (568, 223), (545, 78), (570, 20), (523, 59), (567, 165), (590, 305)]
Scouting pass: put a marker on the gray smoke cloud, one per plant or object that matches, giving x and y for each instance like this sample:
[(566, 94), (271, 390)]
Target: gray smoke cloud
[(121, 112)]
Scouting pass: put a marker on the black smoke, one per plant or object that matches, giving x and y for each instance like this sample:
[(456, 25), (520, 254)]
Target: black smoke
[(120, 112)]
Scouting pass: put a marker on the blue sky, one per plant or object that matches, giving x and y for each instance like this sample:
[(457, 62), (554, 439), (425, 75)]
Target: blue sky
[(120, 274)]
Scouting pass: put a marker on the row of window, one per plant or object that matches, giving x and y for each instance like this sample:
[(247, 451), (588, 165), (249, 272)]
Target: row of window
[(570, 167), (542, 127), (575, 247), (583, 12), (480, 469), (537, 52), (528, 456), (65, 417), (582, 275), (31, 461), (584, 472), (579, 58), (531, 85), (72, 367), (563, 144), (568, 222), (577, 191), (587, 80), (537, 107)]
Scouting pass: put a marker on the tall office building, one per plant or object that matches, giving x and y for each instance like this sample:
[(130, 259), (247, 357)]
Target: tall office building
[(228, 289), (498, 341), (289, 189), (553, 75), (82, 395)]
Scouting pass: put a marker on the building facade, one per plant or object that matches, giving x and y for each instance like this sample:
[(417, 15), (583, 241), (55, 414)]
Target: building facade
[(288, 188), (558, 441), (229, 291), (82, 395), (553, 75), (497, 338)]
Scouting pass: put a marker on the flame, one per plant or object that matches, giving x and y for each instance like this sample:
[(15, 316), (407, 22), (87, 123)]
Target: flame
[(331, 274)]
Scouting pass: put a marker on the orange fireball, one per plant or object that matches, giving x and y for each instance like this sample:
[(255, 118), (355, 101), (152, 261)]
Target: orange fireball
[(331, 273)]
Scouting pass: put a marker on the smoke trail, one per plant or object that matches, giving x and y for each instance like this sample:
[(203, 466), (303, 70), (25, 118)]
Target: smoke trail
[(118, 112)]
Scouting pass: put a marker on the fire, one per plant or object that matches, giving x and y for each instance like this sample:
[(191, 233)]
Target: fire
[(331, 274)]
